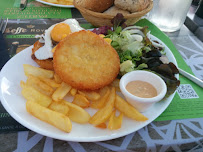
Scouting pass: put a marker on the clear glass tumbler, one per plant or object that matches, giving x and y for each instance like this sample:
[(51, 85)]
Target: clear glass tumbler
[(169, 15)]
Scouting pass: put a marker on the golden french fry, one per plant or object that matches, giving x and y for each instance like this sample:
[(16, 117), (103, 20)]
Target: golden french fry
[(61, 92), (52, 1), (73, 91), (114, 121), (128, 110), (115, 83), (91, 95), (39, 72), (59, 107), (103, 90), (57, 78), (81, 101), (30, 93), (76, 113), (50, 82), (63, 2), (102, 126), (56, 119), (39, 85), (104, 113), (101, 102)]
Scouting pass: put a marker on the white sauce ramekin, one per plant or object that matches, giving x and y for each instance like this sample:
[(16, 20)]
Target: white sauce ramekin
[(143, 104)]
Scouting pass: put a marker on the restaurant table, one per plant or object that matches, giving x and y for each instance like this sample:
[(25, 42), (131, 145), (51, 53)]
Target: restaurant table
[(172, 135)]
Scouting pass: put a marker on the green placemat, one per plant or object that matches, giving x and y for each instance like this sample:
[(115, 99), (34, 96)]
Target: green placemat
[(34, 10), (181, 107)]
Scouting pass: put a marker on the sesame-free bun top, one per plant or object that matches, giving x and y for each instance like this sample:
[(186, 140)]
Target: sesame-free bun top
[(86, 61), (132, 5), (96, 5)]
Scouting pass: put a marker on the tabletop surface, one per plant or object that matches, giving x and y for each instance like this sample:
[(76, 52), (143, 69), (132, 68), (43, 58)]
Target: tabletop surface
[(173, 135)]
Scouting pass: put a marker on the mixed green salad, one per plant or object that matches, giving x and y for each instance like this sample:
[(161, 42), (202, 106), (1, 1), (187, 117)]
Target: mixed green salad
[(137, 51)]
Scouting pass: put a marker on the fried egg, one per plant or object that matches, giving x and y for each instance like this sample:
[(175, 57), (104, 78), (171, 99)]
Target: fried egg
[(56, 33)]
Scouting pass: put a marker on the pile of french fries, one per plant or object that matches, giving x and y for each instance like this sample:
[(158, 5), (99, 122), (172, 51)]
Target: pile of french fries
[(45, 93)]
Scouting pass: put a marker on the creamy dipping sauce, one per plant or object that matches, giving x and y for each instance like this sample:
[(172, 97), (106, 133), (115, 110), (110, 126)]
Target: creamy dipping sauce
[(141, 89)]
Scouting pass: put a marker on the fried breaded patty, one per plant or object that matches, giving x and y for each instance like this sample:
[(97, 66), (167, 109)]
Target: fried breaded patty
[(45, 64), (86, 61)]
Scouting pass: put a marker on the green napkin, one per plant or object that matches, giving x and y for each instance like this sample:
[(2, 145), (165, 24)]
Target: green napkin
[(188, 102), (34, 10)]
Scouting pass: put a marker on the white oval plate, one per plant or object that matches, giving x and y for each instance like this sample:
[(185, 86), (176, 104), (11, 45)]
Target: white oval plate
[(12, 100), (56, 5)]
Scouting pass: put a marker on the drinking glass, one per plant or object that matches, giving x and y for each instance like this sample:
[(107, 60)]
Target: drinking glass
[(169, 15)]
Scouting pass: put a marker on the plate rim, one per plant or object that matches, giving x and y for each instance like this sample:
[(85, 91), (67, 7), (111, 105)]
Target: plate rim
[(56, 5), (76, 139)]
